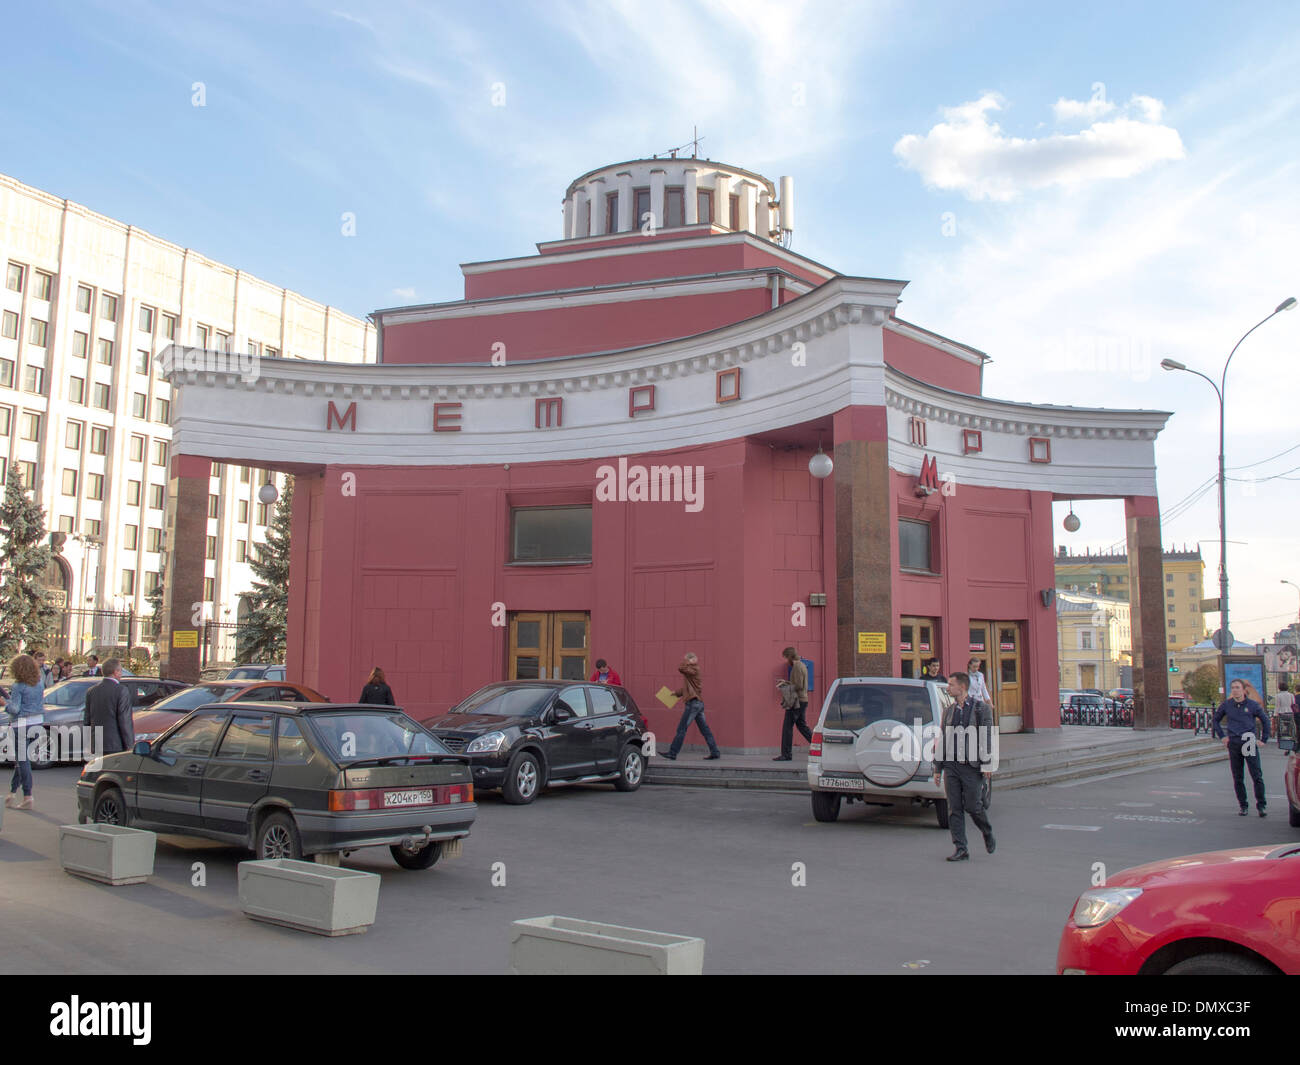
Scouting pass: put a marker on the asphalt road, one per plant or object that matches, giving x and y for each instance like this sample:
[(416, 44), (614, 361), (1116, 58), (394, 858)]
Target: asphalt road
[(719, 864)]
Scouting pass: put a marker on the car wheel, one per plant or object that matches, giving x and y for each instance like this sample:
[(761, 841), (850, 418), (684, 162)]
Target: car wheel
[(523, 779), (826, 805), (1295, 816), (421, 859), (277, 837), (1220, 965), (941, 812), (110, 809), (631, 768)]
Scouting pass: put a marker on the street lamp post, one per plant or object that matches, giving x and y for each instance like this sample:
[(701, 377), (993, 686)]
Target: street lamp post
[(1297, 589), (1225, 640)]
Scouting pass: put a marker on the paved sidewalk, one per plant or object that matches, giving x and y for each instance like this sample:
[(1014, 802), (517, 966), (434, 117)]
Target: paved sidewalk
[(1026, 758)]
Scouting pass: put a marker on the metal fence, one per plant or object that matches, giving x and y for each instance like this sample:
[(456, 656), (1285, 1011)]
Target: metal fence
[(117, 632), (1196, 718)]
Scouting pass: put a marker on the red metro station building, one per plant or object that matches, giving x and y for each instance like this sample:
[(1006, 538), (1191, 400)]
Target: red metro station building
[(603, 451)]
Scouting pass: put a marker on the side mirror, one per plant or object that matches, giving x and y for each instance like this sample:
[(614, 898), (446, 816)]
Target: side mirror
[(561, 711), (142, 749)]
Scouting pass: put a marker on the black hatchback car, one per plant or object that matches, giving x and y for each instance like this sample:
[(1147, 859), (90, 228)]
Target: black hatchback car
[(288, 780), (522, 735)]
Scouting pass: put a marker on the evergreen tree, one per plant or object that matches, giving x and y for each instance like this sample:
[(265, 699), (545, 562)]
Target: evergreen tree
[(261, 638), (27, 617)]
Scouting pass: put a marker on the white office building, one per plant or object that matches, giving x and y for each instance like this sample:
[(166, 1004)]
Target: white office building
[(86, 304)]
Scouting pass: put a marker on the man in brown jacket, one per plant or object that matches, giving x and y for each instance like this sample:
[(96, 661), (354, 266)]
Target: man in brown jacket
[(797, 678), (691, 688)]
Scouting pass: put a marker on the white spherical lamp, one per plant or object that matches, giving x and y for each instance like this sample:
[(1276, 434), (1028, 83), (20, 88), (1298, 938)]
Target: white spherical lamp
[(1071, 522), (820, 465), (268, 493)]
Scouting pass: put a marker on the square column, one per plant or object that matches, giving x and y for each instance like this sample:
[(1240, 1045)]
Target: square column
[(691, 195), (596, 195), (657, 197), (1147, 613), (187, 537), (864, 554)]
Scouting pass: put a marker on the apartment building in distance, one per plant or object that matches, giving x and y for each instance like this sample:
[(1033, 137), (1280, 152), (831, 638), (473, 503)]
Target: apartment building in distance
[(86, 304), (1096, 641), (1106, 574)]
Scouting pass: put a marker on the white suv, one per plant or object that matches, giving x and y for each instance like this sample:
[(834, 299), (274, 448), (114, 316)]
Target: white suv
[(860, 753)]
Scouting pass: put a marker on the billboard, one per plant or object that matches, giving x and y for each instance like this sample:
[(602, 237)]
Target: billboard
[(1281, 657)]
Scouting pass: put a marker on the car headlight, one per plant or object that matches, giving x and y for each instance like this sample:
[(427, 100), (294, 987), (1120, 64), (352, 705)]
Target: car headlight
[(1101, 904), (490, 741)]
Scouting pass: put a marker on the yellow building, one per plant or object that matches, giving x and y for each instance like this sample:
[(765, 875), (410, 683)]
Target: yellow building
[(1107, 575), (1094, 641)]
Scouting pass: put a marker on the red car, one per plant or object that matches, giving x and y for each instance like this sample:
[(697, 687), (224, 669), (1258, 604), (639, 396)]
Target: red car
[(1227, 913), (157, 719)]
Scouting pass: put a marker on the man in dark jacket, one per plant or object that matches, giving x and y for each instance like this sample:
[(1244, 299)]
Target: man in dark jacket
[(93, 668), (108, 707), (961, 761), (1240, 716)]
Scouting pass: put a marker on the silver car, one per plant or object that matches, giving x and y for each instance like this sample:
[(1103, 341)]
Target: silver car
[(869, 746)]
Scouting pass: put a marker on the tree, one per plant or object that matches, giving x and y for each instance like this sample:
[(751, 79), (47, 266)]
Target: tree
[(261, 638), (27, 617), (1201, 685)]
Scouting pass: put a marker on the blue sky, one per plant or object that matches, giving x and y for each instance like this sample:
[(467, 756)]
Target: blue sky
[(1079, 190)]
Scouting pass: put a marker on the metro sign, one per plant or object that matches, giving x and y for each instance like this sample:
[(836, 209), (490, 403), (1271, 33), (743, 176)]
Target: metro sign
[(928, 483)]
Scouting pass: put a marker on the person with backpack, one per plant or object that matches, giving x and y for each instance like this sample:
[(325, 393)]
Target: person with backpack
[(794, 700)]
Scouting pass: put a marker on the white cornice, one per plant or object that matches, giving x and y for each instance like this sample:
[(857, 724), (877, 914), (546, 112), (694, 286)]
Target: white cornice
[(665, 288)]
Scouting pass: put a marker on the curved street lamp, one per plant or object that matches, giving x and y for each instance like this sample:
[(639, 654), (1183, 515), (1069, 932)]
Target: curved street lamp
[(1174, 364)]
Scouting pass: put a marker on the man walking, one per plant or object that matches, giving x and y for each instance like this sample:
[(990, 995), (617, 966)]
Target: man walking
[(108, 707), (691, 688), (796, 674), (1239, 716), (960, 763)]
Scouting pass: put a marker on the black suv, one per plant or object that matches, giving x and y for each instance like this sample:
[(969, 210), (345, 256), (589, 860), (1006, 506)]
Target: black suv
[(522, 735)]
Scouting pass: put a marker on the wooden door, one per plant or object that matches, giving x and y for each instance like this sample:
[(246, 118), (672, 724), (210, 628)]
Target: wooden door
[(548, 645), (1007, 667), (918, 640)]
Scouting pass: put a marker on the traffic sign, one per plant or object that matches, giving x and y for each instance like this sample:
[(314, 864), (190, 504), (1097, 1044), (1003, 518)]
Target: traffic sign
[(1223, 640)]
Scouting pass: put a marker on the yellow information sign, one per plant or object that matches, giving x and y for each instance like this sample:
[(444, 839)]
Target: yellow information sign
[(666, 697), (185, 638), (871, 643)]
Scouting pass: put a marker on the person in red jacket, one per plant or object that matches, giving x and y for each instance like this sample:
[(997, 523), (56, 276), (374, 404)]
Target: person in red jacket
[(604, 675)]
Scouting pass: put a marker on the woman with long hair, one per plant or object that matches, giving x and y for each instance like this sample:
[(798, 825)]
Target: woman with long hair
[(26, 710), (377, 689)]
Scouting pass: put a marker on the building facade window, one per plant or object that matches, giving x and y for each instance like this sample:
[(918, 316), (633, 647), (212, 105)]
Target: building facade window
[(211, 549), (80, 344), (29, 427), (214, 506), (85, 297), (130, 537), (9, 326), (146, 319), (72, 436), (37, 332), (34, 379), (704, 205), (98, 440), (128, 582), (104, 352), (550, 534), (103, 396), (169, 324), (14, 277), (160, 452), (77, 390), (674, 207), (141, 361), (137, 448), (209, 589), (42, 285), (153, 540), (139, 405), (7, 373), (94, 486), (162, 411), (108, 307), (69, 482), (157, 496), (133, 493), (915, 549)]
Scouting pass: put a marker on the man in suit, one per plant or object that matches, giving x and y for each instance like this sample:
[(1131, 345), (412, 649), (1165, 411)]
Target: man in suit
[(93, 670), (962, 764), (108, 707)]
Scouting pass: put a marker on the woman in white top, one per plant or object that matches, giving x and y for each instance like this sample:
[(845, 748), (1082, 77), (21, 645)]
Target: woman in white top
[(978, 688)]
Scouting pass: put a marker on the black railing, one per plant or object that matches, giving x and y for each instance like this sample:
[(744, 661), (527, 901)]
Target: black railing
[(1195, 718)]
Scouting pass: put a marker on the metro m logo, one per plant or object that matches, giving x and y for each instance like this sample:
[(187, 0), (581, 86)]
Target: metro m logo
[(928, 482), (333, 416)]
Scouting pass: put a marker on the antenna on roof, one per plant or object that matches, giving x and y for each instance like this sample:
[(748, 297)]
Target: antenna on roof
[(693, 144)]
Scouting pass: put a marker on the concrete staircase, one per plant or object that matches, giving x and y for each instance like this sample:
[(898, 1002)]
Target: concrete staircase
[(1072, 754)]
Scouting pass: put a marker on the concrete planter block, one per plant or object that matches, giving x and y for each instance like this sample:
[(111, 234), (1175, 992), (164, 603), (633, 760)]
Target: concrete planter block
[(107, 853), (566, 946), (325, 899)]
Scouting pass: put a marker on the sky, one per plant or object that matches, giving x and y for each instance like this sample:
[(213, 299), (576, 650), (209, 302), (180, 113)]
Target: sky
[(1078, 190)]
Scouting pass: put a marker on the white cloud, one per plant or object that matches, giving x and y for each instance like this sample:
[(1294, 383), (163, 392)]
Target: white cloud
[(404, 293), (1091, 110), (969, 153)]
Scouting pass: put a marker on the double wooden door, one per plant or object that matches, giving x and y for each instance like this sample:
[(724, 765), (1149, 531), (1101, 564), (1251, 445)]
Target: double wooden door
[(548, 645), (997, 644)]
